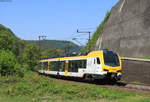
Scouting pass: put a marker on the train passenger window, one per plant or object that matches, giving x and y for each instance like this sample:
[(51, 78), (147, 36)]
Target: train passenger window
[(55, 66), (62, 66), (70, 66), (40, 65), (76, 64), (82, 64), (73, 66), (98, 61), (45, 65)]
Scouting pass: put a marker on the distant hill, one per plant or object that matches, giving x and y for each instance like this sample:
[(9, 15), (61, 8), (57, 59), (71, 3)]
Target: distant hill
[(59, 44), (9, 41)]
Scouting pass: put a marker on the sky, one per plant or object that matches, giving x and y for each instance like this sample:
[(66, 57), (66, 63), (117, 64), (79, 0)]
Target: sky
[(56, 19)]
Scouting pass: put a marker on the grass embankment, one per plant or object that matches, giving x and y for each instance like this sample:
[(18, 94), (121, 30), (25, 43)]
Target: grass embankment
[(35, 88)]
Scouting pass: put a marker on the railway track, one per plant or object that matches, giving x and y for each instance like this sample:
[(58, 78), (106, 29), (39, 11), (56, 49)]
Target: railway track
[(145, 89)]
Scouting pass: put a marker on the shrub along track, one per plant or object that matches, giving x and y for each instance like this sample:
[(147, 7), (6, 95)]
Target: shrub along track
[(137, 88)]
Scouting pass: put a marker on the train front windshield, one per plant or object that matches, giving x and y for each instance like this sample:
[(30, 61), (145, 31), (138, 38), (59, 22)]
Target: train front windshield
[(111, 59)]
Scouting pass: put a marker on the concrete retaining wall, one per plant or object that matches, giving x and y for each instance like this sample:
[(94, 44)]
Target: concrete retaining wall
[(136, 71), (127, 30)]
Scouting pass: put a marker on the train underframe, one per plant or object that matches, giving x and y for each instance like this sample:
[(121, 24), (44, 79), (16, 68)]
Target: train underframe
[(106, 77)]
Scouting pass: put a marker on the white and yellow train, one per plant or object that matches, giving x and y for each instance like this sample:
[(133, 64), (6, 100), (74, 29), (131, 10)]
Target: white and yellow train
[(104, 64)]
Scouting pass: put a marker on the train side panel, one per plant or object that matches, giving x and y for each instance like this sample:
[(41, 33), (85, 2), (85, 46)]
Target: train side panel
[(97, 64)]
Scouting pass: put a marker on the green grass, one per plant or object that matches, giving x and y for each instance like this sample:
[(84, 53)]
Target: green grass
[(35, 88)]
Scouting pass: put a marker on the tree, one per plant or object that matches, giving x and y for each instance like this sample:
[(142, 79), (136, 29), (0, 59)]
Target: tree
[(51, 53), (31, 56), (7, 63), (8, 41)]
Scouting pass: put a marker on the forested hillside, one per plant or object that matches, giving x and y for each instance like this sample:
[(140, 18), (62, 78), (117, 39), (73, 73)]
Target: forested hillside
[(8, 40), (57, 44), (16, 56)]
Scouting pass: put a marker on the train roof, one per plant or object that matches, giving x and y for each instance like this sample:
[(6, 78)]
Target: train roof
[(91, 54)]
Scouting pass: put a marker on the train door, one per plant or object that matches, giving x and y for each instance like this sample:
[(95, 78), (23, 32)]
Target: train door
[(49, 66), (90, 65), (42, 67), (98, 66), (66, 68), (95, 65)]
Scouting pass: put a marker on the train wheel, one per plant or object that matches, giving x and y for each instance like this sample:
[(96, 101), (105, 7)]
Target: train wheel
[(58, 75), (88, 78)]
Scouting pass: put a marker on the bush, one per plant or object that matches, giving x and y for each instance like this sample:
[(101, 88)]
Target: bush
[(7, 63), (19, 70)]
